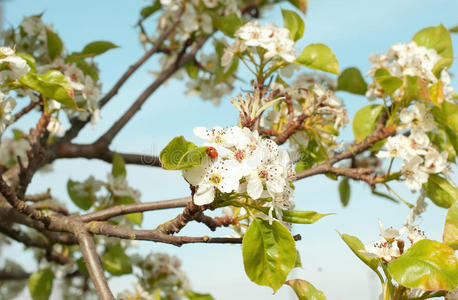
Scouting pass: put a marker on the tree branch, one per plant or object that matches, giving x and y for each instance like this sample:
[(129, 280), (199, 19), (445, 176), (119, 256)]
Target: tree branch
[(93, 264), (69, 150), (119, 210)]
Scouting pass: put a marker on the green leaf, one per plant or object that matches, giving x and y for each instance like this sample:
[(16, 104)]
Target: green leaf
[(119, 166), (30, 60), (97, 48), (440, 65), (82, 200), (228, 24), (344, 191), (302, 217), (314, 153), (440, 191), (355, 245), (320, 57), (300, 4), (389, 84), (82, 266), (365, 120), (454, 29), (55, 45), (451, 226), (416, 88), (192, 69), (40, 284), (52, 85), (269, 253), (116, 261), (294, 23), (180, 154), (427, 265), (135, 218), (437, 38), (305, 290), (447, 117), (352, 81), (191, 295), (436, 93), (147, 11)]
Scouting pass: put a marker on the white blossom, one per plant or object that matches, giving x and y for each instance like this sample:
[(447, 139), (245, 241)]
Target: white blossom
[(418, 118), (385, 251), (12, 67), (6, 107)]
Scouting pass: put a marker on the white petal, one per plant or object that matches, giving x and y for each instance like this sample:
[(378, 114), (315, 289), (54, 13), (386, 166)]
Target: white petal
[(202, 133), (205, 194), (254, 187)]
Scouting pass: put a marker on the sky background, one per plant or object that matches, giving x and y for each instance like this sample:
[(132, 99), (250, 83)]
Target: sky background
[(352, 29)]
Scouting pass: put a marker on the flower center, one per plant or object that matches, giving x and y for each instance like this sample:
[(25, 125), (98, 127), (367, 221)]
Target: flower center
[(215, 178)]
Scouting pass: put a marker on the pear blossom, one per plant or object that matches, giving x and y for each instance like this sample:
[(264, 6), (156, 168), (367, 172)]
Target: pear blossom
[(435, 162), (418, 118), (140, 294), (12, 67), (415, 234), (414, 175), (6, 107), (390, 234), (384, 250), (397, 146), (55, 127)]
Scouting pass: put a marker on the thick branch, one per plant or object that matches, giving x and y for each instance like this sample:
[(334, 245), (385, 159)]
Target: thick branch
[(93, 265), (69, 150), (119, 210)]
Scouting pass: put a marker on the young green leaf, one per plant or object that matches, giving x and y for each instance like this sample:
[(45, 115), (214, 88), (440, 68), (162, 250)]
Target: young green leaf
[(294, 23), (55, 45), (179, 154), (228, 24), (191, 295), (451, 227), (119, 166), (365, 121), (116, 261), (52, 85), (320, 57), (40, 284), (437, 38), (427, 265), (147, 11), (82, 200), (355, 245), (269, 253), (352, 81), (300, 4), (97, 48), (305, 290), (440, 191), (344, 191)]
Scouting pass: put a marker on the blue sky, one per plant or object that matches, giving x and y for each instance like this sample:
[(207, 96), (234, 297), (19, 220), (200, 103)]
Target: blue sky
[(353, 29)]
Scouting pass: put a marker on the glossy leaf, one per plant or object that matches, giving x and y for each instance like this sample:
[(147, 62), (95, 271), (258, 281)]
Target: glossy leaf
[(191, 295), (40, 284), (269, 253), (352, 81), (97, 48), (320, 57), (147, 11), (344, 191), (440, 65), (296, 216), (440, 191), (437, 38), (119, 166), (427, 265), (115, 260), (228, 24), (436, 93), (416, 88), (294, 23), (389, 84), (451, 226), (314, 153), (180, 154), (365, 120), (300, 4), (355, 245), (51, 85), (305, 290), (82, 200), (55, 45), (192, 70)]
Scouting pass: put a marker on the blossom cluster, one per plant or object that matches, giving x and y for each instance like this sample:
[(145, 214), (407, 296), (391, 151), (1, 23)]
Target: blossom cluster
[(392, 246), (419, 156), (160, 275), (408, 59), (274, 40), (314, 97), (11, 66), (240, 161)]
